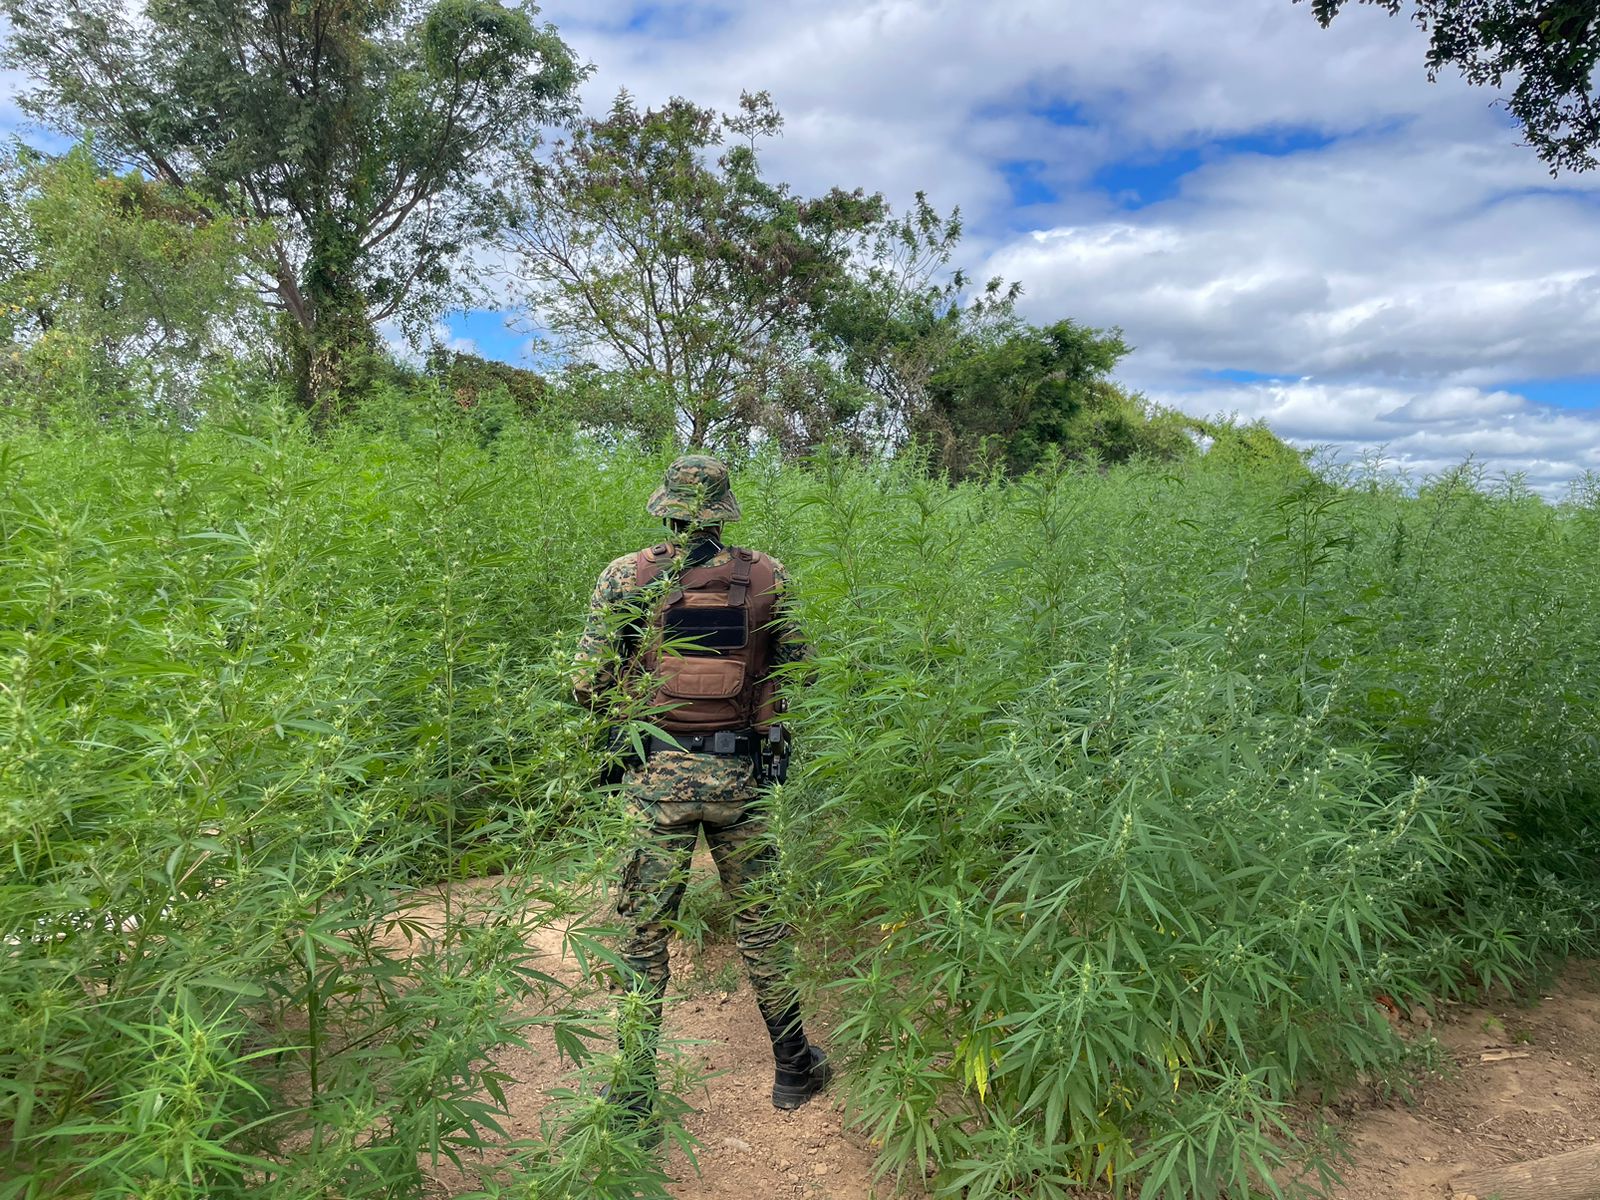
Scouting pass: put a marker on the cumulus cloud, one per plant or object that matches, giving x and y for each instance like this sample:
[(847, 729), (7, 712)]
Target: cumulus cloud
[(908, 94), (1406, 274), (1420, 433), (1405, 261), (1376, 257)]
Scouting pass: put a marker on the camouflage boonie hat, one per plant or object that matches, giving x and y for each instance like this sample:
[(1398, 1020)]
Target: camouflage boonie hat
[(695, 489)]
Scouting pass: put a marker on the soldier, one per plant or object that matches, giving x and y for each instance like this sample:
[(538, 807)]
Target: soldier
[(702, 625)]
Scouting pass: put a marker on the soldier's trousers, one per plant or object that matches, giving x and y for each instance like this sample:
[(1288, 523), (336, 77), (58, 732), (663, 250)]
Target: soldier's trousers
[(675, 796)]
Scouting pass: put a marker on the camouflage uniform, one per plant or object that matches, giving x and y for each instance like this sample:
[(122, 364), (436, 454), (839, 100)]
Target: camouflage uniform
[(675, 794)]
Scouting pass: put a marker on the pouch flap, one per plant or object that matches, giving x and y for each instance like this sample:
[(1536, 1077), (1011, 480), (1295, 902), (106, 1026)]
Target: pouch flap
[(701, 678)]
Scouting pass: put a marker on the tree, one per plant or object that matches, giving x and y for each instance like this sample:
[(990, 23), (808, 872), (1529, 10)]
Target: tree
[(1008, 393), (952, 369), (115, 280), (897, 319), (1251, 447), (371, 134), (713, 303), (1013, 390), (693, 278), (468, 378), (1550, 47)]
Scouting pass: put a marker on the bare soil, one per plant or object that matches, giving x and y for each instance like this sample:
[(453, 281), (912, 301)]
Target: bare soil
[(1518, 1083), (1513, 1083), (748, 1150)]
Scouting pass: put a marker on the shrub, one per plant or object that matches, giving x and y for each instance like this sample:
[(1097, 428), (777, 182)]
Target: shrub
[(1124, 797), (260, 691), (1121, 793)]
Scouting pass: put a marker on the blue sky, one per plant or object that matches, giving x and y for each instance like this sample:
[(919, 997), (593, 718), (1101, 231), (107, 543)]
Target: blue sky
[(491, 334), (1139, 180), (1286, 222)]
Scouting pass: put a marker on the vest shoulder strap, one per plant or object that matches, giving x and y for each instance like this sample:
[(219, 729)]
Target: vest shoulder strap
[(759, 575), (648, 563), (739, 588)]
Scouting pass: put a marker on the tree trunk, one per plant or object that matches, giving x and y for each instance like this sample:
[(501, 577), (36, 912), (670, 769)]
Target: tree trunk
[(1574, 1175), (334, 359), (699, 424)]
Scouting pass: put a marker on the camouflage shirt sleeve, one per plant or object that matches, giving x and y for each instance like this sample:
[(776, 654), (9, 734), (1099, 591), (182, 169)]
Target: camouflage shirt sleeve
[(599, 648)]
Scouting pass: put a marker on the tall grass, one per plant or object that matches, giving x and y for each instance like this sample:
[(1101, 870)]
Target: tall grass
[(257, 692), (1120, 796), (1126, 794)]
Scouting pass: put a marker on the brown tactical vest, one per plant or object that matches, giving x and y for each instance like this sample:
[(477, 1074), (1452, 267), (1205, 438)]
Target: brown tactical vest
[(709, 642)]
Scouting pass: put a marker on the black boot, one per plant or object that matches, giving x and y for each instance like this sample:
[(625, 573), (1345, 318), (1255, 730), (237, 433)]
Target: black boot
[(796, 1081), (801, 1069)]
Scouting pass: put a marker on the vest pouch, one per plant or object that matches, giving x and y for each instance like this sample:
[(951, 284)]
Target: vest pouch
[(705, 624), (704, 692)]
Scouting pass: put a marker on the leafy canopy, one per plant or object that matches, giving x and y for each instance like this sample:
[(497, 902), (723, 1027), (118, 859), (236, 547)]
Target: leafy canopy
[(1550, 49), (692, 276), (952, 370), (370, 133), (1016, 392), (109, 280)]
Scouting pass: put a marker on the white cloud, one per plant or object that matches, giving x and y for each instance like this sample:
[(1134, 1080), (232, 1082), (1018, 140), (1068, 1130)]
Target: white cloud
[(1419, 259), (414, 350), (908, 94), (1375, 259), (1419, 432)]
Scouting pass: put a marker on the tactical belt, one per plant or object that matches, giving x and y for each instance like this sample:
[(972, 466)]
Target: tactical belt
[(723, 743)]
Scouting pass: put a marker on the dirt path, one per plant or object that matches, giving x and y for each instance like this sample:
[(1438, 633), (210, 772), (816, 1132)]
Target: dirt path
[(1514, 1084), (1519, 1084), (748, 1149)]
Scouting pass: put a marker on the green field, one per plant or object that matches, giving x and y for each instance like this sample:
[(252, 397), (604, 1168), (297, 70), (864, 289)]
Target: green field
[(1120, 795)]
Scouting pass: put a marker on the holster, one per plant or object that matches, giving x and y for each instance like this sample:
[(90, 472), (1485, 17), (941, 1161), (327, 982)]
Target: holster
[(772, 756), (769, 705)]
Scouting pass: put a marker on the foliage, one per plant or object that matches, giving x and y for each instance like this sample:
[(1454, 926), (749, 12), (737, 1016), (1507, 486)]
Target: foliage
[(470, 378), (712, 306), (371, 135), (259, 692), (954, 373), (1251, 447), (1121, 791), (896, 322), (1124, 794), (1550, 49), (692, 276), (1021, 393), (114, 287)]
